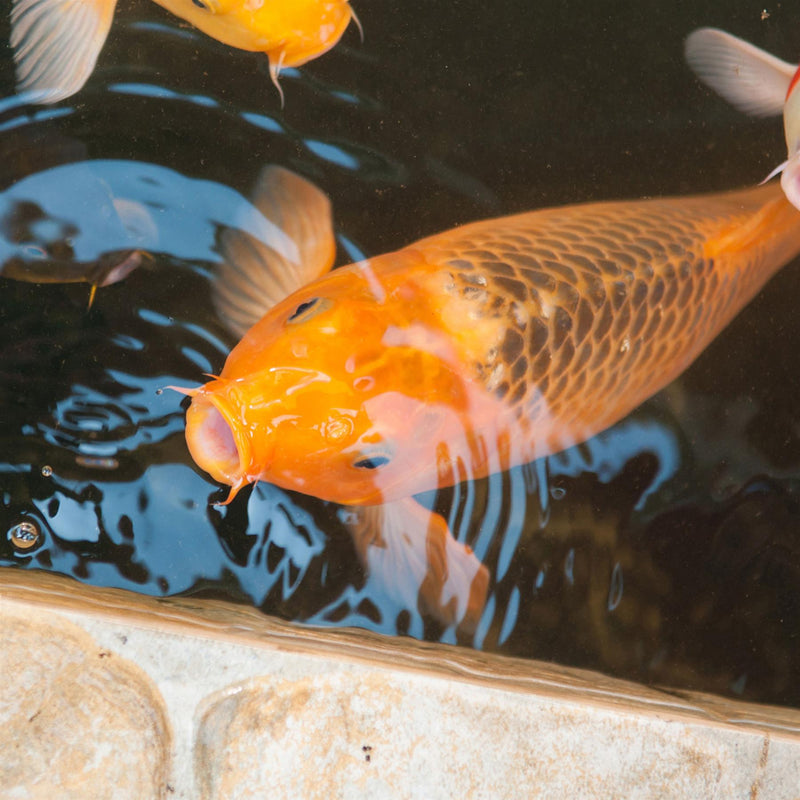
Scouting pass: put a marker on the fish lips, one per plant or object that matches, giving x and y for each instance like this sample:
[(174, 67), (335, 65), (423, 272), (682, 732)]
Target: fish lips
[(213, 440)]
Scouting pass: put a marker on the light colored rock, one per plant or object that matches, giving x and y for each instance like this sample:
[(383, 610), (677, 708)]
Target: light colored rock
[(383, 736), (263, 709), (76, 721)]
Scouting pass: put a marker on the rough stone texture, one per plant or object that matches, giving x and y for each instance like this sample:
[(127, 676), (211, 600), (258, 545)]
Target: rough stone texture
[(76, 721), (384, 737), (262, 709)]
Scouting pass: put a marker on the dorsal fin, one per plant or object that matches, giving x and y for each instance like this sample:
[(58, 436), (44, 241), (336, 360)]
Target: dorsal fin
[(258, 273)]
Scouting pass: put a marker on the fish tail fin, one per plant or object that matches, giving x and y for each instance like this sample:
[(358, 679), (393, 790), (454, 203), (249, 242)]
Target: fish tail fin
[(295, 245), (750, 79), (411, 554)]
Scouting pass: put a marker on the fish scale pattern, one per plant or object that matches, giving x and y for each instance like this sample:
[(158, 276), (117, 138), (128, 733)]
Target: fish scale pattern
[(597, 306)]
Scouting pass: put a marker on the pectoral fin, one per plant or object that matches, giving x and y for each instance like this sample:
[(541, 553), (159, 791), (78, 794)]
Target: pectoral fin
[(298, 247), (413, 555), (56, 44), (750, 79)]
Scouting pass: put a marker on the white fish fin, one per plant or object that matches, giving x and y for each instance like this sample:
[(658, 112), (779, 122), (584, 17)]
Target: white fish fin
[(56, 44), (750, 79), (410, 552), (790, 180), (298, 247)]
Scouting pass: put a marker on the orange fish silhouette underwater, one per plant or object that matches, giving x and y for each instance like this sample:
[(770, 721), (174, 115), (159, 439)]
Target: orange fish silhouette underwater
[(56, 42), (466, 353)]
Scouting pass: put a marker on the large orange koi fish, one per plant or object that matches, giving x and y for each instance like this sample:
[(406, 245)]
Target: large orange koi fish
[(468, 352)]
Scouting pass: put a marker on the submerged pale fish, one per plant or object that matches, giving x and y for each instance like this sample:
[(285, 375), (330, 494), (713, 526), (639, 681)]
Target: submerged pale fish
[(70, 224), (91, 220), (56, 42), (755, 82), (65, 224), (470, 351)]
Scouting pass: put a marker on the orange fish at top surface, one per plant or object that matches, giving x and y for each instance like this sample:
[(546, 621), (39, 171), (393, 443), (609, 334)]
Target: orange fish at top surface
[(471, 351), (56, 42)]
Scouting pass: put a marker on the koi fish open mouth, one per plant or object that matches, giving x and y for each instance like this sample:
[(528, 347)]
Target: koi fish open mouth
[(212, 442)]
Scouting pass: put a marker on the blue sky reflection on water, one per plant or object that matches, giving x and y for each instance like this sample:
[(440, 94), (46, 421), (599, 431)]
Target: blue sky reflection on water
[(109, 205)]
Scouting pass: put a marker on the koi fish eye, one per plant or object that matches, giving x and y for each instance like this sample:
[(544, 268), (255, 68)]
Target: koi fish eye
[(371, 462), (308, 309), (206, 5), (374, 460)]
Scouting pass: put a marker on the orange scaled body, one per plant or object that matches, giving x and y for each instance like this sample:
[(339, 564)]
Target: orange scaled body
[(483, 347)]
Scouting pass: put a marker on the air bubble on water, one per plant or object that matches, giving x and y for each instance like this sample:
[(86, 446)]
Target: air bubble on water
[(47, 471), (558, 492), (24, 535)]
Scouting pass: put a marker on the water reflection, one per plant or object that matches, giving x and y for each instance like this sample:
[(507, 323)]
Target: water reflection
[(65, 223)]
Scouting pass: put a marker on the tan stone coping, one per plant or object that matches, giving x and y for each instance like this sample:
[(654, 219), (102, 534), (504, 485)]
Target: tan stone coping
[(223, 698), (240, 624)]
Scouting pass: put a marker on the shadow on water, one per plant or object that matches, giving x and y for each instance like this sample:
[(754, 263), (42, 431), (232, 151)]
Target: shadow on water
[(666, 549)]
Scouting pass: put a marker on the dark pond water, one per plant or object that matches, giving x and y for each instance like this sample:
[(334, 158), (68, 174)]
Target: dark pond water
[(666, 550)]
